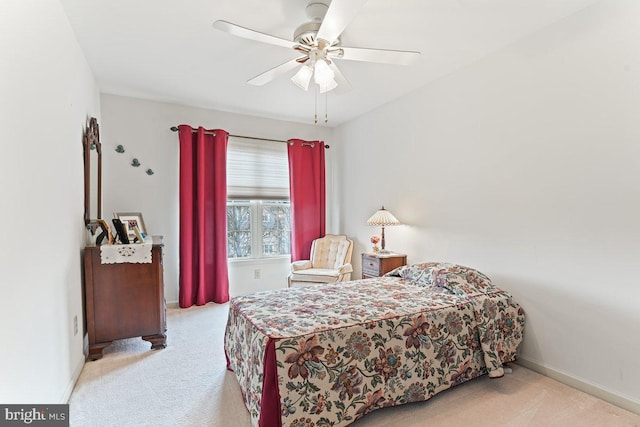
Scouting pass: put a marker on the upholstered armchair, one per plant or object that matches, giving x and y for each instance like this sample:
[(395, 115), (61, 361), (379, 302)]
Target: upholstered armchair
[(330, 262)]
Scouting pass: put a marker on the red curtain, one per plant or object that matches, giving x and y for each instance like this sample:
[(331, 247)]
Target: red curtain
[(203, 216), (307, 188)]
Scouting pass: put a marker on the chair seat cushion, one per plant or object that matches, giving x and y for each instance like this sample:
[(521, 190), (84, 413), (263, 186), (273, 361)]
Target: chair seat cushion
[(321, 275)]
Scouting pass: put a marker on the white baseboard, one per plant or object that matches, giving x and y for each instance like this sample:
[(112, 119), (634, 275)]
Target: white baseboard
[(72, 382), (624, 402)]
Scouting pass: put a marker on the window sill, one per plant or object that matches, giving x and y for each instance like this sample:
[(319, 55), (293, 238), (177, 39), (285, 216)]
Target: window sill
[(269, 260)]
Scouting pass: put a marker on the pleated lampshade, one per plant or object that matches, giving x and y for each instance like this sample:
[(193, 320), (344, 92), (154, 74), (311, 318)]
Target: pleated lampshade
[(383, 217)]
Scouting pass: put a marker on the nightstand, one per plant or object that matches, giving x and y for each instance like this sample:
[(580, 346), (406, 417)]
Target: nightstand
[(374, 265)]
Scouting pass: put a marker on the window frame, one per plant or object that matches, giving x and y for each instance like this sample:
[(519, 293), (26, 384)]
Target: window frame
[(256, 229)]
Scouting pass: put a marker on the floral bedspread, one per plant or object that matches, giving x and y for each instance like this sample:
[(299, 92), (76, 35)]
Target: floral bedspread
[(326, 355)]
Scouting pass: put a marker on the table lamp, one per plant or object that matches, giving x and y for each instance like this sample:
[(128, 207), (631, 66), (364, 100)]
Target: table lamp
[(383, 218)]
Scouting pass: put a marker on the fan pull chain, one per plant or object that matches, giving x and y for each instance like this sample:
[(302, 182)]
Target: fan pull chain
[(315, 109), (326, 115)]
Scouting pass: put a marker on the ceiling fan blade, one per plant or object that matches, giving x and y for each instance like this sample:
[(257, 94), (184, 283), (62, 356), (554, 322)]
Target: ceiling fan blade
[(397, 57), (237, 30), (343, 83), (275, 72), (339, 15)]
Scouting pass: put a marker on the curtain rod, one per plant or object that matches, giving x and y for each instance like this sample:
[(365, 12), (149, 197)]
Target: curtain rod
[(175, 129)]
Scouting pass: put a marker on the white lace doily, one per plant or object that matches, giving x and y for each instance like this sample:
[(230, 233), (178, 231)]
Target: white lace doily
[(116, 254)]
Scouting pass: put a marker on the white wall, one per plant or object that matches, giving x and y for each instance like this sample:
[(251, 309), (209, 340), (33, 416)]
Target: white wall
[(48, 92), (525, 165), (142, 127)]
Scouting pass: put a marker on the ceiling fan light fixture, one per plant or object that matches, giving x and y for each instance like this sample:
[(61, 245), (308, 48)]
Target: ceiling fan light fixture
[(303, 77), (329, 86), (323, 75), (319, 41)]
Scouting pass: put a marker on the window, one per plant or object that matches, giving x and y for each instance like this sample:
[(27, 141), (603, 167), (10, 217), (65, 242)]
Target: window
[(239, 229), (276, 230), (258, 228), (258, 218)]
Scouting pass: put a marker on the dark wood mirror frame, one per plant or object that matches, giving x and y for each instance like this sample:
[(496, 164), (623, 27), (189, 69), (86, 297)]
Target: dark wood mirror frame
[(91, 143)]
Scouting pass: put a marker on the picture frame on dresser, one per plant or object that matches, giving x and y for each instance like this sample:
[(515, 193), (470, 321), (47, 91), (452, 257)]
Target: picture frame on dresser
[(121, 231), (131, 220), (105, 236)]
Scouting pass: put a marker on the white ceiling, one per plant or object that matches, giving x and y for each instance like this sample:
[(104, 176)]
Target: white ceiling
[(167, 50)]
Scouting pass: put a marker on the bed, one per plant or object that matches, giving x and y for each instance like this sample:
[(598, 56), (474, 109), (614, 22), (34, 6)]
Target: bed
[(326, 355)]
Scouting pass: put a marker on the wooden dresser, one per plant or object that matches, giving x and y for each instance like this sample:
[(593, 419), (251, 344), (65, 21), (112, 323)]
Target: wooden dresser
[(124, 301), (374, 265)]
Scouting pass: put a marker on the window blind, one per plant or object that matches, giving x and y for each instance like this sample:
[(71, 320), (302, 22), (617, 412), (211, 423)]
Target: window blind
[(257, 170)]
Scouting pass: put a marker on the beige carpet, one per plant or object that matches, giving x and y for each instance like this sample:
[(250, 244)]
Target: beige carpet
[(187, 384)]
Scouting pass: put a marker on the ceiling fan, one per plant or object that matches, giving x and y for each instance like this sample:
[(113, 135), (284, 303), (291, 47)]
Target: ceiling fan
[(318, 41)]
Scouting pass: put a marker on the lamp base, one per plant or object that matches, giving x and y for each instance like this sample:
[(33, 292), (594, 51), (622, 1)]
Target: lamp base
[(384, 252)]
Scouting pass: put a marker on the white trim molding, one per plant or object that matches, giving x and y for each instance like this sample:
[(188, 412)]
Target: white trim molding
[(625, 402), (72, 382)]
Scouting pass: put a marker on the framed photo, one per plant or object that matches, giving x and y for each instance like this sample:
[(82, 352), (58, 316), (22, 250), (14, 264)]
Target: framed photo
[(105, 233), (134, 225)]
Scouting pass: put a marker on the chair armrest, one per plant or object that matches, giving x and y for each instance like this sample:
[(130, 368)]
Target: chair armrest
[(300, 265), (347, 268)]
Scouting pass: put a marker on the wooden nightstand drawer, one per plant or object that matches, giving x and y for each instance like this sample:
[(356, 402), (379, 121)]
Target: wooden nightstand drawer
[(370, 266), (378, 265)]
